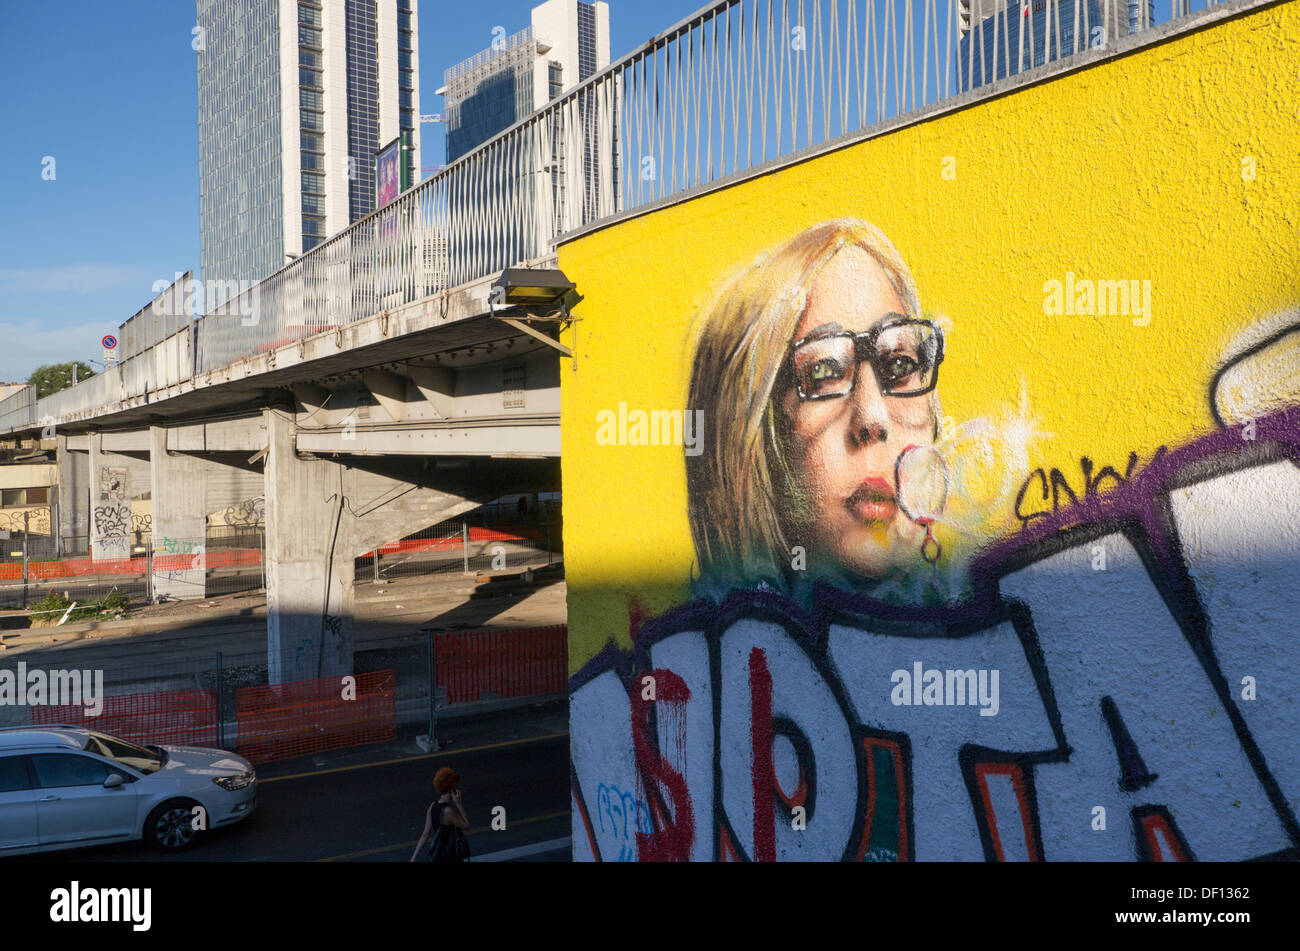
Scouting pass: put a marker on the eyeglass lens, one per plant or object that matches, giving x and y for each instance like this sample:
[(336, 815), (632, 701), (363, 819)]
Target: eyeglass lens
[(901, 355)]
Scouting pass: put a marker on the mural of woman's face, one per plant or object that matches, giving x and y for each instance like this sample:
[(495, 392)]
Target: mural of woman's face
[(842, 449)]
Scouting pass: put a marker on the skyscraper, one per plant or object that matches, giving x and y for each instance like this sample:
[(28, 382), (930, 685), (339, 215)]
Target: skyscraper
[(995, 30), (295, 97), (566, 42)]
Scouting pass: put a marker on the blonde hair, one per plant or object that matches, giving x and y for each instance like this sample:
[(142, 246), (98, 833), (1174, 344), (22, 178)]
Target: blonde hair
[(738, 485)]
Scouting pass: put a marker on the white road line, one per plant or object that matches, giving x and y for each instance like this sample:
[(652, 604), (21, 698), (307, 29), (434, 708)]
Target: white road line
[(505, 855)]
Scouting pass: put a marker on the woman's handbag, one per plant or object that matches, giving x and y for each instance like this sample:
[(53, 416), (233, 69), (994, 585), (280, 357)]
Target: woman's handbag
[(448, 843)]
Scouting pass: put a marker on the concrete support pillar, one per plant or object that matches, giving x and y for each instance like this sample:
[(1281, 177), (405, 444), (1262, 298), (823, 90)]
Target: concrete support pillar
[(309, 561), (179, 520), (73, 496), (110, 503)]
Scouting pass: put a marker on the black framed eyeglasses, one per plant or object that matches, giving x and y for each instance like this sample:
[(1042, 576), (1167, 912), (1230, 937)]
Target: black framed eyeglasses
[(904, 354)]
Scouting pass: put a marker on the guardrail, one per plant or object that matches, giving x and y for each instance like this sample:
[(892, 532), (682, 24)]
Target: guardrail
[(18, 409)]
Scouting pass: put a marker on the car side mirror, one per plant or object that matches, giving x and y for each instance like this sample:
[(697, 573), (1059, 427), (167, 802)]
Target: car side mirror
[(113, 781)]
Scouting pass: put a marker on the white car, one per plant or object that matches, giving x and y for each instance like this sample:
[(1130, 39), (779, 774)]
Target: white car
[(64, 787)]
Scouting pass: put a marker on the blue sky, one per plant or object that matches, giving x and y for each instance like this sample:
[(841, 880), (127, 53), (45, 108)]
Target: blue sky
[(107, 90)]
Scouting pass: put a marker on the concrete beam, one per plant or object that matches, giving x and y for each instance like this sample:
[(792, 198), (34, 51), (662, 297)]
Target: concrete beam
[(111, 488), (312, 397), (389, 390), (73, 491), (137, 441), (437, 385), (179, 520), (232, 435), (507, 437)]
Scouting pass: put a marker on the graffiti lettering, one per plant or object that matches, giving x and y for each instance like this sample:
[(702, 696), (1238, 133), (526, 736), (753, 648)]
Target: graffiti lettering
[(112, 520), (33, 521), (1043, 493), (625, 816), (247, 513), (176, 546)]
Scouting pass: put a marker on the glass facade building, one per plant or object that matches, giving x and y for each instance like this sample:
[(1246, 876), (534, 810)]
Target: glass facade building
[(295, 97), (491, 92), (566, 43), (241, 186)]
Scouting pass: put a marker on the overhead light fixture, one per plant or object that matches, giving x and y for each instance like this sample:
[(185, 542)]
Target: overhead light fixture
[(543, 294), (532, 287)]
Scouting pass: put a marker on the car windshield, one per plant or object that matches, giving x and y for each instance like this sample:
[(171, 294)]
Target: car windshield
[(124, 752)]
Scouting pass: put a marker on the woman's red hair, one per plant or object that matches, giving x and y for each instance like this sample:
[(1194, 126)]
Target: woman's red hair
[(445, 780)]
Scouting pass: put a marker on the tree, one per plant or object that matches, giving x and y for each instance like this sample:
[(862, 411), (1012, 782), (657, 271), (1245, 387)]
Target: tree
[(57, 376)]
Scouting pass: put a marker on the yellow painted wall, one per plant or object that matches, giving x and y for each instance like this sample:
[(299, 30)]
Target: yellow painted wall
[(1132, 169)]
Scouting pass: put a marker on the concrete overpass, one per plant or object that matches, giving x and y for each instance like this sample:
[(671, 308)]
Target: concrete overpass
[(354, 436)]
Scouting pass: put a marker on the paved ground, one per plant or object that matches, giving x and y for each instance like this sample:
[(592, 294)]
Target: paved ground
[(236, 624), (368, 804)]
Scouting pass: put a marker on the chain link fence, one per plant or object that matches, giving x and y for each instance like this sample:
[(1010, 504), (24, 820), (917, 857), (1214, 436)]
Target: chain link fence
[(226, 560), (503, 537)]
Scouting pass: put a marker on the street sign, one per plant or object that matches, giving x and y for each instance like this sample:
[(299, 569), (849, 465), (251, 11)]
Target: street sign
[(110, 348)]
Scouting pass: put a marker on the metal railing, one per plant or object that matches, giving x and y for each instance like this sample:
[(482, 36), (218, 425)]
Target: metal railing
[(728, 91), (463, 545)]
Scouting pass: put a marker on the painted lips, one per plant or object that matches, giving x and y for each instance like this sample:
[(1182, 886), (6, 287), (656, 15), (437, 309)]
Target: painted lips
[(873, 501)]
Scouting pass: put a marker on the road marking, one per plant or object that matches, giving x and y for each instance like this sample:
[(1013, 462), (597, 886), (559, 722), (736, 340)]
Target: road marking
[(408, 759), (410, 846), (505, 855)]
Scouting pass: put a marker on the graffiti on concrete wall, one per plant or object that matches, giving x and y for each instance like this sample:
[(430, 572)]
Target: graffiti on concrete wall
[(246, 514), (111, 515), (906, 645), (34, 521)]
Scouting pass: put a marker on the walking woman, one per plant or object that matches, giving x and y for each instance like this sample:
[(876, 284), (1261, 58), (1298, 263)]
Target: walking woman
[(446, 822)]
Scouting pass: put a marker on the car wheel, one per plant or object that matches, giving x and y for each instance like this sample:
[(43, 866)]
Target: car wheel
[(170, 827)]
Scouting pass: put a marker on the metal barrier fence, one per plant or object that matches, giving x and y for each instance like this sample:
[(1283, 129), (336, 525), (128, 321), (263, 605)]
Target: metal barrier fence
[(178, 717), (226, 561), (287, 720), (458, 546), (224, 699), (489, 664), (231, 558)]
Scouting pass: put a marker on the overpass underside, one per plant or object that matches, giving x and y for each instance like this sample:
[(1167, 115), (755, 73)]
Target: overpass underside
[(353, 437)]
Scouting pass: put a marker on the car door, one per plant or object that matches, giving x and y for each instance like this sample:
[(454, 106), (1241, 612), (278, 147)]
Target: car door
[(72, 804), (18, 830)]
